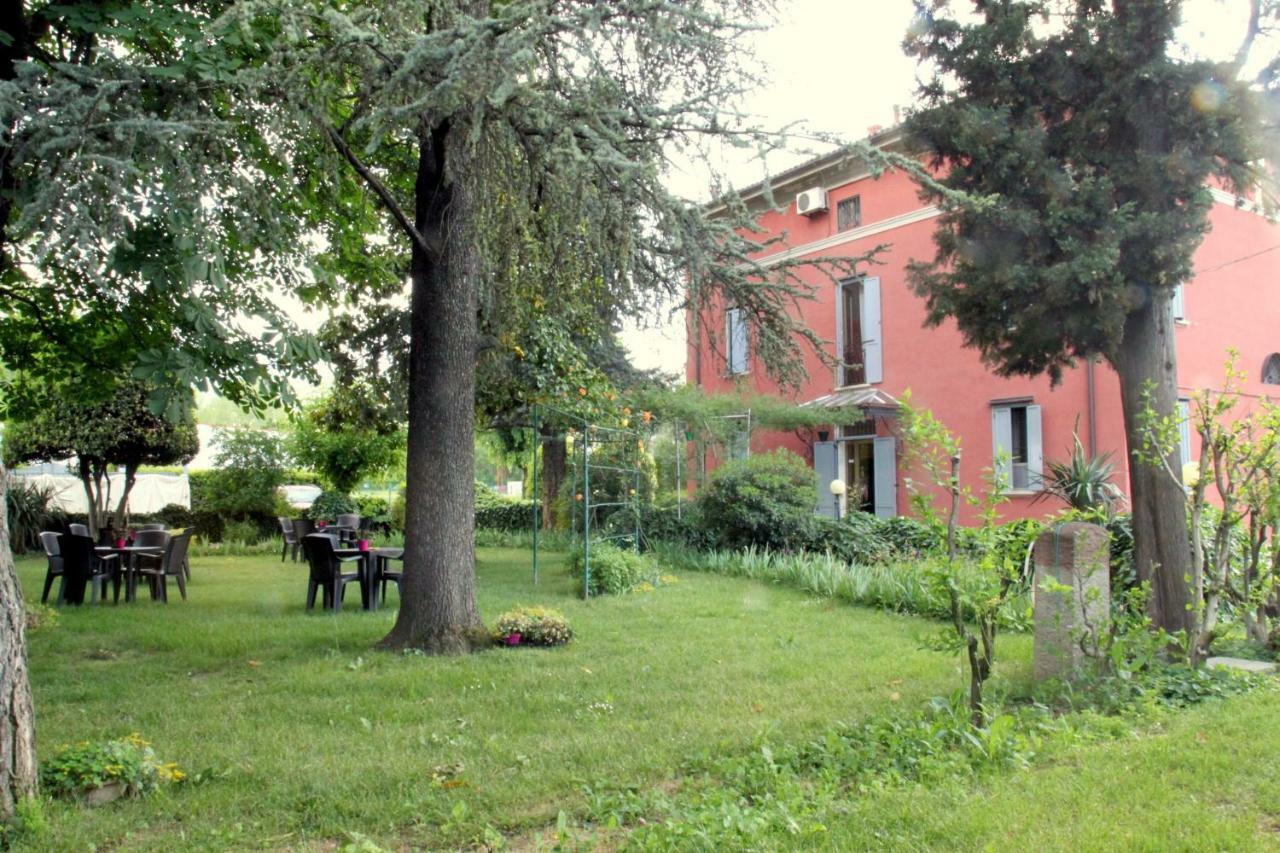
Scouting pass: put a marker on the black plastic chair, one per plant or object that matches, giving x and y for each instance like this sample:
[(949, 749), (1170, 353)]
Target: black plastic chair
[(384, 576), (327, 574), (78, 529), (81, 567), (170, 566), (144, 538), (290, 538), (49, 541), (154, 526)]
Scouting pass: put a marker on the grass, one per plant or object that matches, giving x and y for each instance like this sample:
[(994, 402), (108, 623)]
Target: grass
[(305, 734), (306, 739), (1206, 780)]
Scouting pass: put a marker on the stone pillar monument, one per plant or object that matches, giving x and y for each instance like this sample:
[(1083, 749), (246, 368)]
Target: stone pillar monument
[(1072, 595)]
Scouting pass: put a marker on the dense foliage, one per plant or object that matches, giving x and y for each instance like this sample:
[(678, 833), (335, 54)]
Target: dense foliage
[(613, 570), (346, 436), (767, 499), (1082, 151), (250, 467)]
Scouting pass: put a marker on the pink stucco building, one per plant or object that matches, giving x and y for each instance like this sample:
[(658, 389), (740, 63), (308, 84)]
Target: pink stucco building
[(834, 206)]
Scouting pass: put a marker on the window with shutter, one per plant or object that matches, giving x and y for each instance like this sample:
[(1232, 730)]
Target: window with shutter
[(1018, 446), (858, 329)]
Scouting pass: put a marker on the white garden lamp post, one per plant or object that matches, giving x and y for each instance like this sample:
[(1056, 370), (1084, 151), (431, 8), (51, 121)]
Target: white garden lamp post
[(837, 488)]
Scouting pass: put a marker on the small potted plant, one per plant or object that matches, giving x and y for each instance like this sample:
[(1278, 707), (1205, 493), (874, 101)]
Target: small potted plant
[(532, 626), (98, 773)]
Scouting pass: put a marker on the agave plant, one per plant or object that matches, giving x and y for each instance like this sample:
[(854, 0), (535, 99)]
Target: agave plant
[(1083, 481), (28, 508)]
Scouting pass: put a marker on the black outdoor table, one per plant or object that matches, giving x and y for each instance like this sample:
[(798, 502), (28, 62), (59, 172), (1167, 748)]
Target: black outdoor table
[(127, 555)]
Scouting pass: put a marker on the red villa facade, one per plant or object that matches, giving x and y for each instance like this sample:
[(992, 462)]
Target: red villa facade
[(834, 206)]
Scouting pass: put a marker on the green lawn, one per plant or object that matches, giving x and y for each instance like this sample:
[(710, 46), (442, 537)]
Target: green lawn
[(314, 735), (315, 739), (1207, 780)]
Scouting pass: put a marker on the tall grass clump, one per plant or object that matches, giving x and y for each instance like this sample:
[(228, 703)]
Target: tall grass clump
[(902, 586)]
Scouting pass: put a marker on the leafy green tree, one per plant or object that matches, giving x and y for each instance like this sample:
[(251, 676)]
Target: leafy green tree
[(248, 469), (133, 238), (473, 123), (123, 431), (1094, 150), (346, 437)]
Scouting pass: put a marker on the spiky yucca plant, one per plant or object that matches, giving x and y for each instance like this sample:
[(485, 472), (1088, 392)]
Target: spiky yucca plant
[(1083, 481)]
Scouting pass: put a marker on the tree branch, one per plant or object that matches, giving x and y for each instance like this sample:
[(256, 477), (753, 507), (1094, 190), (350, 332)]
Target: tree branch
[(380, 189)]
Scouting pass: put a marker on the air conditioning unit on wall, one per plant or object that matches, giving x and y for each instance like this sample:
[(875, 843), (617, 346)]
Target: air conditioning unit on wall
[(811, 201)]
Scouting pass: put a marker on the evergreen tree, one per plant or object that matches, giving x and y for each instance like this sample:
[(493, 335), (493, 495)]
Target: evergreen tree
[(486, 133), (1094, 151)]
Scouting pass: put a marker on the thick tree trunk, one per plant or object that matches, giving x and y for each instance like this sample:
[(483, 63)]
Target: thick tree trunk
[(554, 463), (437, 608), (17, 712), (1162, 551)]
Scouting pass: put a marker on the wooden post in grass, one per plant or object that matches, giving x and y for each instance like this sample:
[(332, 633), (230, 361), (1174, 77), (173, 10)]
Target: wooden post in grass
[(1072, 596)]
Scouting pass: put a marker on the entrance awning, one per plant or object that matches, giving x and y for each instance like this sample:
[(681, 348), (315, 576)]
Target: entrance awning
[(871, 399)]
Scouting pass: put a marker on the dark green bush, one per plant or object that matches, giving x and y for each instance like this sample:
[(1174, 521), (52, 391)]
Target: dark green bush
[(329, 505), (766, 500), (506, 514), (663, 524), (854, 538), (910, 536), (174, 515), (209, 524), (613, 570)]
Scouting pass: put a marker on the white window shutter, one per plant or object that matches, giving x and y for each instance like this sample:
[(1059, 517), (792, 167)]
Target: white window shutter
[(1035, 448), (735, 335), (1002, 445), (1179, 303), (825, 468), (884, 457), (872, 349), (1184, 432)]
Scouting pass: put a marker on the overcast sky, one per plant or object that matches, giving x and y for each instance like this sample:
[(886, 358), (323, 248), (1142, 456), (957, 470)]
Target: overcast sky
[(838, 66)]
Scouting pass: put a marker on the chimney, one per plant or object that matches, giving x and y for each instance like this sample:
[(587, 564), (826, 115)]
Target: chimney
[(897, 115)]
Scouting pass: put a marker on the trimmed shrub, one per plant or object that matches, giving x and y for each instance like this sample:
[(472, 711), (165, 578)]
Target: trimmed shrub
[(532, 626), (175, 515), (765, 500), (613, 569), (508, 514), (329, 505)]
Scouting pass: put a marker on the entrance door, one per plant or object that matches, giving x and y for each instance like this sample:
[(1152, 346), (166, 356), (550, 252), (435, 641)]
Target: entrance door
[(860, 476), (871, 476)]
